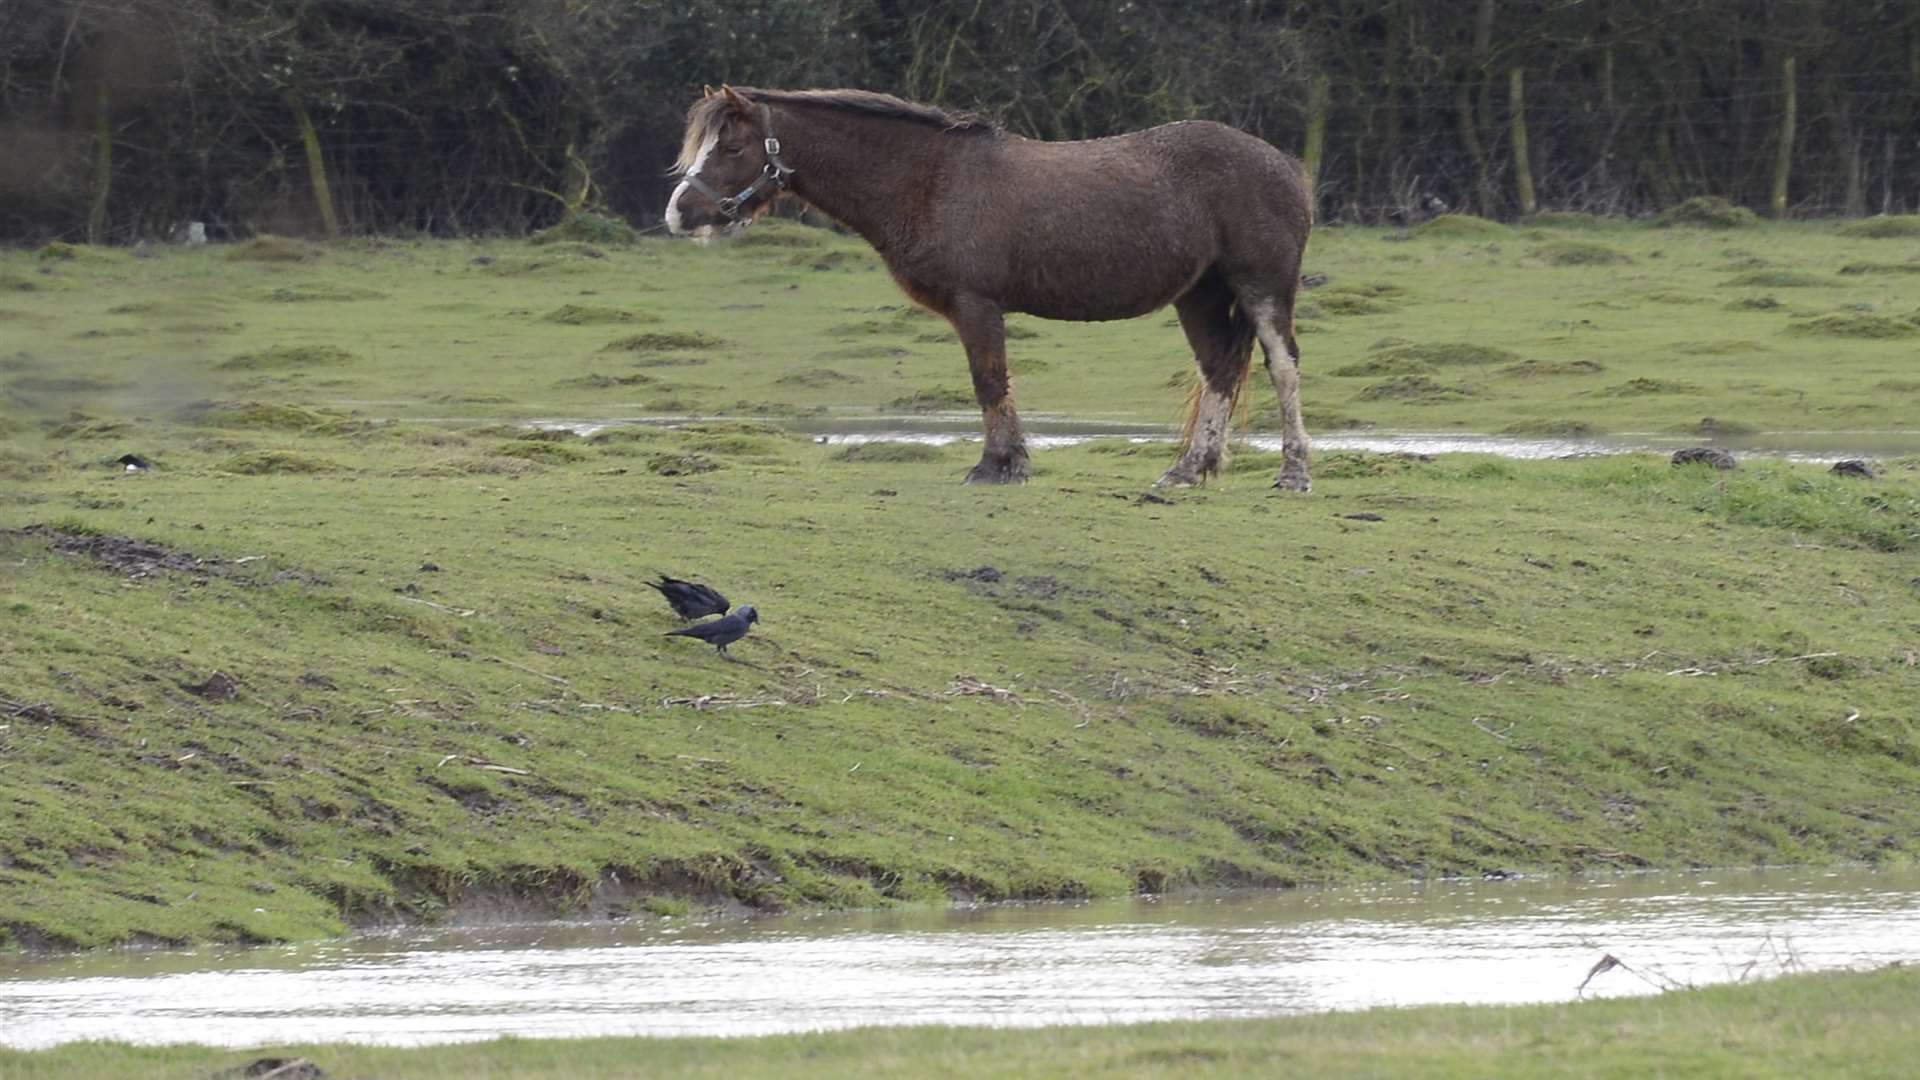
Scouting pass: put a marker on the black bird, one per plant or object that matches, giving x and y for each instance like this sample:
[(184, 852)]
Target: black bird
[(723, 631), (690, 600), (134, 462)]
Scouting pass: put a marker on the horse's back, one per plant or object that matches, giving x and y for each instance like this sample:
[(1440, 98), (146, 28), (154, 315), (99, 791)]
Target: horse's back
[(1191, 168), (1107, 228)]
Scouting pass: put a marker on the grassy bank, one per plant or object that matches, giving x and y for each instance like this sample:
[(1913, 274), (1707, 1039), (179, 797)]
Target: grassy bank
[(357, 650), (1810, 1025)]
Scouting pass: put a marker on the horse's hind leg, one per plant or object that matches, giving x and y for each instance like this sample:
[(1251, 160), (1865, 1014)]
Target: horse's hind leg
[(1222, 343), (983, 332), (1273, 321)]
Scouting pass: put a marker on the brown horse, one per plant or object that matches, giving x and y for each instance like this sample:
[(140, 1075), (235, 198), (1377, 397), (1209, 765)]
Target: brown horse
[(975, 222)]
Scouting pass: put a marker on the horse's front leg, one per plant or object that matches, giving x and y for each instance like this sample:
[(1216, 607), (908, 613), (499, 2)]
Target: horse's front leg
[(982, 329)]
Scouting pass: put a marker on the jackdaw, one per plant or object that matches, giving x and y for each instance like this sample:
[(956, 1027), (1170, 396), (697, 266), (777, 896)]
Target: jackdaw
[(689, 600), (723, 631)]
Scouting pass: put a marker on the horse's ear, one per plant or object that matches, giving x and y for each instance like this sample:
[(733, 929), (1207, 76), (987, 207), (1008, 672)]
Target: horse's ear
[(735, 99), (706, 91)]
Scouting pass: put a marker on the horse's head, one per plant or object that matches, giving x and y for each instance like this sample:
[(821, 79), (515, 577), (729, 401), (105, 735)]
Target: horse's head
[(730, 167)]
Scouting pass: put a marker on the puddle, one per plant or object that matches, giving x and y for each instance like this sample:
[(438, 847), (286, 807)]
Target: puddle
[(1049, 432), (1191, 956)]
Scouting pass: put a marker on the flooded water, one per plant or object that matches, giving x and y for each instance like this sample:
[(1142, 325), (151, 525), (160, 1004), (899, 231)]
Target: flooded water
[(1226, 955), (1046, 432)]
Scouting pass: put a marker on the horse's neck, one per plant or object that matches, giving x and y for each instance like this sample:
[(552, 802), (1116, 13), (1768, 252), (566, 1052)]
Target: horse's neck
[(862, 172)]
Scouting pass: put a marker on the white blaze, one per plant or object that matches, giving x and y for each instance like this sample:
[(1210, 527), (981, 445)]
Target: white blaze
[(673, 204)]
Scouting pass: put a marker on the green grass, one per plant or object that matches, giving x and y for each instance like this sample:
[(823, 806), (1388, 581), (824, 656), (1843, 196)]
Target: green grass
[(1857, 1025), (1226, 687)]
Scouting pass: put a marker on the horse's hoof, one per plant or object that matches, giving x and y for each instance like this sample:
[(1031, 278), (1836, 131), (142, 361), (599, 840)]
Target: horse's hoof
[(1175, 478), (1010, 471)]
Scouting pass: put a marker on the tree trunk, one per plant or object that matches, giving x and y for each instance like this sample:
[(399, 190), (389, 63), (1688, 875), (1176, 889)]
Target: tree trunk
[(102, 167), (1482, 183), (1783, 160), (316, 165), (1318, 99), (1847, 142), (1522, 169), (1482, 54), (1886, 180)]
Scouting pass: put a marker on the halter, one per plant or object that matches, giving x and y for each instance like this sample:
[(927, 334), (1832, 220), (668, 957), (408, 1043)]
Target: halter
[(774, 172)]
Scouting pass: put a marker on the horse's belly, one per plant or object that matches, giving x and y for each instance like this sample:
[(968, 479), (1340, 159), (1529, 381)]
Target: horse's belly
[(1098, 282)]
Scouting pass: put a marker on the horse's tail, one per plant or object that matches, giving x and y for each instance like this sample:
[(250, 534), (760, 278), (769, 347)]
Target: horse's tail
[(1235, 367)]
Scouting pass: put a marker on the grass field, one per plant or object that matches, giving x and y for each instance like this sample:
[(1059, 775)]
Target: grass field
[(361, 648), (1855, 1025)]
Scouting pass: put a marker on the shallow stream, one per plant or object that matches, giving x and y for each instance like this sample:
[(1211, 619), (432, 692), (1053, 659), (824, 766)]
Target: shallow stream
[(1189, 956)]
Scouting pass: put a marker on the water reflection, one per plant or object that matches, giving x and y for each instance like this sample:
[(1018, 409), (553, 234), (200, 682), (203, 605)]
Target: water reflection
[(1243, 954)]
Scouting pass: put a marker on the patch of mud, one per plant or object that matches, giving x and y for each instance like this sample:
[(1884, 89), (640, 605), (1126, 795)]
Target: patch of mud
[(665, 341), (1714, 428), (594, 314), (595, 381), (276, 462), (1351, 464), (1413, 388), (1728, 347), (1854, 324), (1551, 428), (1780, 279), (1580, 253), (1704, 455), (67, 384), (839, 259), (256, 415), (1333, 303), (815, 378), (1638, 387), (218, 686), (1535, 369), (1881, 268), (1391, 364), (302, 294), (553, 453), (933, 399), (889, 453), (1673, 296), (1027, 593), (864, 352), (125, 555), (79, 425), (1450, 353), (681, 464), (567, 260), (288, 358), (867, 327)]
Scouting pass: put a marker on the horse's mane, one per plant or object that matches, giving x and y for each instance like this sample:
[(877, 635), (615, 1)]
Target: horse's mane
[(708, 113)]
